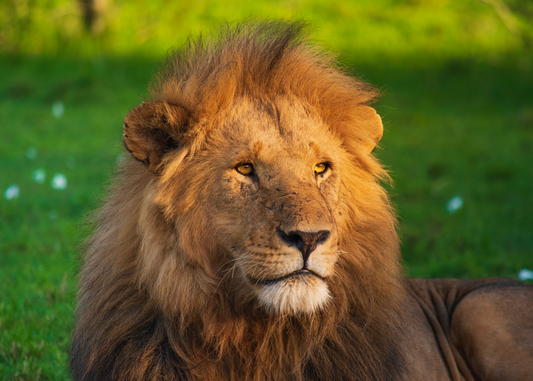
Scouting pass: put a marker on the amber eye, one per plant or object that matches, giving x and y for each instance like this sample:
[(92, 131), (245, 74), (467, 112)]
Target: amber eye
[(320, 168), (245, 169)]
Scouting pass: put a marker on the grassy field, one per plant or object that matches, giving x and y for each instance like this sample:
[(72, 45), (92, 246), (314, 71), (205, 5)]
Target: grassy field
[(457, 84)]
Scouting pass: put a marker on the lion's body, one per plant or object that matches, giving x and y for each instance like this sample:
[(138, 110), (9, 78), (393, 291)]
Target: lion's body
[(251, 239)]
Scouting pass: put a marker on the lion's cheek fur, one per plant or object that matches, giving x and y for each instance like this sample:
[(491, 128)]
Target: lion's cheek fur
[(175, 267)]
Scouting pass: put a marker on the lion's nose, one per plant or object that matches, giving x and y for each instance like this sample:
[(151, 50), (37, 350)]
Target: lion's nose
[(306, 242)]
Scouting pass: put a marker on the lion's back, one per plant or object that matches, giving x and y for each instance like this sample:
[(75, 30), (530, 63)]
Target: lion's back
[(482, 328)]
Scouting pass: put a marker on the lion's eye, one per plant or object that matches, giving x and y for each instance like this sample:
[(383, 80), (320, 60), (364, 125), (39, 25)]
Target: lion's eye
[(245, 169), (320, 168)]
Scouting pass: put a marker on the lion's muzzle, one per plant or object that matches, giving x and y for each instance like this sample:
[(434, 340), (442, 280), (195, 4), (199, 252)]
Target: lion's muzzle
[(306, 242)]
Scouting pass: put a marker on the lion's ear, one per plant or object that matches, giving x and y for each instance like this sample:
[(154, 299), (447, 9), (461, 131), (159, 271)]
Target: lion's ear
[(373, 125), (152, 129)]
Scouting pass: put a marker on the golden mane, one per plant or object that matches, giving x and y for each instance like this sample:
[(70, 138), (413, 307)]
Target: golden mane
[(143, 314), (262, 60)]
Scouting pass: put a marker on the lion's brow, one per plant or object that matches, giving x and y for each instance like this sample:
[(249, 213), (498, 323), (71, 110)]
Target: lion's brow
[(258, 147)]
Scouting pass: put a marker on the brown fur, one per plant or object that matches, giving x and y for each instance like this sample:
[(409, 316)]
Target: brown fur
[(171, 277)]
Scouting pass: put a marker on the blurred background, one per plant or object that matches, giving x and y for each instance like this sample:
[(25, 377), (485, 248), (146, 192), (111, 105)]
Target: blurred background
[(457, 102)]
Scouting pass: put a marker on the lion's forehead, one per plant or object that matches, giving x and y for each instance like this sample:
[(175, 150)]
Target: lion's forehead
[(282, 130)]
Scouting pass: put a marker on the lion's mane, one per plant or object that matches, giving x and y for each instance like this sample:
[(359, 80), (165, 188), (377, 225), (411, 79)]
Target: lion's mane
[(144, 315)]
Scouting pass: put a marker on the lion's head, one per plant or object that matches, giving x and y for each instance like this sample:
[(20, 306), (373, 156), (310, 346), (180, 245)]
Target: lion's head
[(253, 205)]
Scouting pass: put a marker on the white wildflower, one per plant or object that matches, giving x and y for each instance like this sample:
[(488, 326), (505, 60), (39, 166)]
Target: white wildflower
[(31, 153), (59, 181), (12, 192), (58, 109), (39, 175), (525, 274), (454, 204)]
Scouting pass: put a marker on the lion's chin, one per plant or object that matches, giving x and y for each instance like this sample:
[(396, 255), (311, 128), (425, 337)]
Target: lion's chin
[(294, 295)]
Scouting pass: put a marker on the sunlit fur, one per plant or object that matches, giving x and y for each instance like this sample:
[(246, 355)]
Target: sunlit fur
[(164, 294)]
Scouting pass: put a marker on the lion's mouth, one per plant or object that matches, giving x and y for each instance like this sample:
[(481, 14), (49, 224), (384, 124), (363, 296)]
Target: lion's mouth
[(302, 273)]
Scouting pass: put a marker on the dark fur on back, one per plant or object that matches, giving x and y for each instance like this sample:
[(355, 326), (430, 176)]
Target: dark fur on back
[(127, 331)]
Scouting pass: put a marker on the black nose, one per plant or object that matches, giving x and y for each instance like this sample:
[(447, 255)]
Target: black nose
[(306, 242)]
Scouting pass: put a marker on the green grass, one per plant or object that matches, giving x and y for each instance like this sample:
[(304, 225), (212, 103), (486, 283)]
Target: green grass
[(457, 106), (42, 228), (469, 134)]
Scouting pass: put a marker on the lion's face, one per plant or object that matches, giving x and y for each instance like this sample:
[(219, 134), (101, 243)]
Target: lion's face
[(258, 204), (275, 203)]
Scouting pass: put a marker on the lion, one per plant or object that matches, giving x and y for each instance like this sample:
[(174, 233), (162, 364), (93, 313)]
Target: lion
[(247, 236)]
